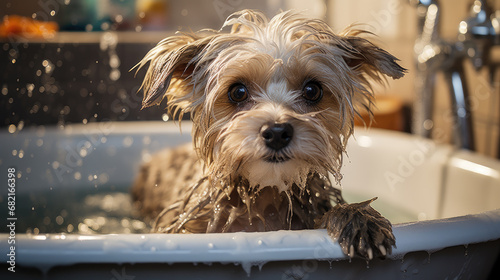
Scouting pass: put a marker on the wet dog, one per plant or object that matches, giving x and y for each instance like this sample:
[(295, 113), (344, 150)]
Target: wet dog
[(272, 104)]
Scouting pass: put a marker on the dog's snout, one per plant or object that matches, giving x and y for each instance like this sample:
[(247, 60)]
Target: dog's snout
[(277, 135)]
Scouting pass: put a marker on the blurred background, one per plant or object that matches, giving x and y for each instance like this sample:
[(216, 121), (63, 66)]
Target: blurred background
[(69, 61)]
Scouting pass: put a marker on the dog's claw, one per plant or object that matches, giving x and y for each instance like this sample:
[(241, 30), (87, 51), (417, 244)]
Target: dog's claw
[(360, 230), (351, 252), (370, 253), (382, 250)]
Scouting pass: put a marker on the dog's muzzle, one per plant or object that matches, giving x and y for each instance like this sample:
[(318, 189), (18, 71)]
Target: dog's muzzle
[(277, 136)]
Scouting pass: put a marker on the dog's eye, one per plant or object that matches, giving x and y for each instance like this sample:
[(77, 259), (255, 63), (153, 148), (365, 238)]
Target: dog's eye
[(238, 93), (312, 91)]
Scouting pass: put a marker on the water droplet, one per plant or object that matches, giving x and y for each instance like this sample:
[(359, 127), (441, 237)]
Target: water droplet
[(83, 152), (55, 165), (125, 222), (128, 141), (115, 74), (165, 117), (12, 128), (59, 220), (20, 125), (114, 61), (49, 67), (30, 87), (105, 26)]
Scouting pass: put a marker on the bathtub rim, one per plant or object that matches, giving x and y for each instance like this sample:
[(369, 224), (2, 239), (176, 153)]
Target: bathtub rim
[(50, 250)]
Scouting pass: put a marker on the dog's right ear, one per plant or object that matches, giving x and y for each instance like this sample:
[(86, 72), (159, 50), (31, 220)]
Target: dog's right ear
[(171, 65)]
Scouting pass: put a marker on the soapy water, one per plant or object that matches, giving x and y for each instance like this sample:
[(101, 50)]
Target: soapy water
[(109, 212)]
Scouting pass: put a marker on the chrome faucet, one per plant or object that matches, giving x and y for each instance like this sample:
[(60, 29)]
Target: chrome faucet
[(476, 35)]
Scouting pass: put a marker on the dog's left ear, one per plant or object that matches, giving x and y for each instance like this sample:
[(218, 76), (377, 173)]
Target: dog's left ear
[(361, 55)]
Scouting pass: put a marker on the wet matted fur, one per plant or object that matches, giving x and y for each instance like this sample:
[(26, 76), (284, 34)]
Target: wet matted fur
[(273, 105)]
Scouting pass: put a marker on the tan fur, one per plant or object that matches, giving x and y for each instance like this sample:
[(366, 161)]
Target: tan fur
[(274, 59)]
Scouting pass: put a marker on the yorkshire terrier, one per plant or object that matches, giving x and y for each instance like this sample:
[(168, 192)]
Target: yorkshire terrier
[(273, 104)]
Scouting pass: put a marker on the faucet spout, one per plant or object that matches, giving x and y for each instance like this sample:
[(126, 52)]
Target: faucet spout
[(429, 56), (433, 54)]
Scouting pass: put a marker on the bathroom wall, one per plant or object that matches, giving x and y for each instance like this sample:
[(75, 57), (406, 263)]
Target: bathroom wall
[(394, 21)]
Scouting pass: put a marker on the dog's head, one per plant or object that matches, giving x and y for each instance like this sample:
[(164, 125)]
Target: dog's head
[(273, 100)]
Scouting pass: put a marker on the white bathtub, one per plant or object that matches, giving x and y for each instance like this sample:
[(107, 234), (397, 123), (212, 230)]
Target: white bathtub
[(443, 203)]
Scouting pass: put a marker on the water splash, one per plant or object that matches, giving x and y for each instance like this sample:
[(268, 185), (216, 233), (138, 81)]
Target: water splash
[(109, 41)]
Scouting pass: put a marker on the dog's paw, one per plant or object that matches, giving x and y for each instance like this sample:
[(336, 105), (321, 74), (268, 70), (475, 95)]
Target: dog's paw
[(360, 230)]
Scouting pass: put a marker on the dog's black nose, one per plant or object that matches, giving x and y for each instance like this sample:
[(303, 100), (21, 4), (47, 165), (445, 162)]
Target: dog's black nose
[(278, 135)]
